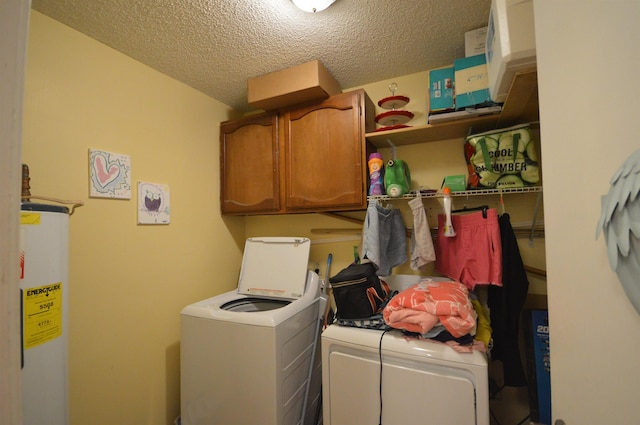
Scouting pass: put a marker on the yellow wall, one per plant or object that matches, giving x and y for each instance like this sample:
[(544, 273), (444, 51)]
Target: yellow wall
[(127, 282)]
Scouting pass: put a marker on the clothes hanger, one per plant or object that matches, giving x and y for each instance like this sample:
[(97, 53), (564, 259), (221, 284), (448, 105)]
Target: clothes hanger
[(483, 208)]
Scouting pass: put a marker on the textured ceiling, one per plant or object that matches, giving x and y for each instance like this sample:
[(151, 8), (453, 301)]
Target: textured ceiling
[(214, 46)]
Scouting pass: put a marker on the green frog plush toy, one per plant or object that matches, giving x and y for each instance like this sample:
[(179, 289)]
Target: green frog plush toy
[(397, 179)]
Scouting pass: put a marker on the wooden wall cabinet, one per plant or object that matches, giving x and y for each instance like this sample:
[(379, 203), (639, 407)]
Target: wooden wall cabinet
[(309, 158), (249, 166)]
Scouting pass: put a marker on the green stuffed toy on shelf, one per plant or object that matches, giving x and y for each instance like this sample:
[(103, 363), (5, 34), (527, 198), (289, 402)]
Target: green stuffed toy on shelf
[(397, 178)]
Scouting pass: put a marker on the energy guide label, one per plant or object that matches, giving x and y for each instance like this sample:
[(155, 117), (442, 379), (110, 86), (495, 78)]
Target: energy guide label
[(42, 314)]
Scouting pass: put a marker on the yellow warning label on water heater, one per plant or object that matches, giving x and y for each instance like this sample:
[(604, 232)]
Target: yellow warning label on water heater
[(42, 314), (29, 218)]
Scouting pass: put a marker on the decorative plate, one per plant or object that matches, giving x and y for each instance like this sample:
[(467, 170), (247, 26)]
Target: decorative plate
[(393, 102), (391, 127), (394, 117)]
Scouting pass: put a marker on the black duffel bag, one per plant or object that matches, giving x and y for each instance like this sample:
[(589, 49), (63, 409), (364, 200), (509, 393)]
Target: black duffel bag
[(358, 291)]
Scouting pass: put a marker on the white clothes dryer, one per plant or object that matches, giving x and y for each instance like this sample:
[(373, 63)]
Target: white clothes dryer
[(246, 354), (421, 382)]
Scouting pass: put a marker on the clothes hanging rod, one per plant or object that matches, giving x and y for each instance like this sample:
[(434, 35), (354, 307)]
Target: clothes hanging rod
[(536, 271), (520, 231), (333, 230), (343, 217)]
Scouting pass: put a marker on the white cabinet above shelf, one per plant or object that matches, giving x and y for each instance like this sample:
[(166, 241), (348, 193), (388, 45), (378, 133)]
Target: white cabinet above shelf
[(521, 106)]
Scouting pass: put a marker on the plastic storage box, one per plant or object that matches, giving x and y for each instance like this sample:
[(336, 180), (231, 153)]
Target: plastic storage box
[(511, 44)]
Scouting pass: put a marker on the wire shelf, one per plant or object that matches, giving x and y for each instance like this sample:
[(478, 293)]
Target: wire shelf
[(475, 192)]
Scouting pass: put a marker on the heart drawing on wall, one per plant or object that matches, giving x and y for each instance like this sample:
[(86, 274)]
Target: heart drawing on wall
[(110, 175), (106, 172)]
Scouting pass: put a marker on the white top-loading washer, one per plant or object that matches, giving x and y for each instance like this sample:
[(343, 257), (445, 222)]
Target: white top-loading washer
[(273, 275), (246, 355)]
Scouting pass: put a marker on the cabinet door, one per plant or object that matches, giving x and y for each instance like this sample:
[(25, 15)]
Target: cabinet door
[(324, 155), (249, 176)]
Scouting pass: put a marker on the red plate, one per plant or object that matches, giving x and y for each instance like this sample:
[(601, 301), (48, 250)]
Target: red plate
[(393, 102), (394, 117), (391, 127)]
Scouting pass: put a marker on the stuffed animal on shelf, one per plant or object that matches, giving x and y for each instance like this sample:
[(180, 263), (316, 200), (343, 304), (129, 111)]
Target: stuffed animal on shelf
[(397, 178)]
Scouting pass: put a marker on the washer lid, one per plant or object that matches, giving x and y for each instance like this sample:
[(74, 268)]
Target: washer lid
[(274, 267)]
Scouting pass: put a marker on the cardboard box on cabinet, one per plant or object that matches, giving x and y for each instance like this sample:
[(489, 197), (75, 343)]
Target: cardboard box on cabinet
[(302, 83)]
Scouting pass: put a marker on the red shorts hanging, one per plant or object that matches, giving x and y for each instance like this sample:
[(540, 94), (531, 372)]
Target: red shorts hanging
[(474, 255)]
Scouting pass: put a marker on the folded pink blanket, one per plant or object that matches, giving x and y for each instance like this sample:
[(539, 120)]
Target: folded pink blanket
[(421, 306)]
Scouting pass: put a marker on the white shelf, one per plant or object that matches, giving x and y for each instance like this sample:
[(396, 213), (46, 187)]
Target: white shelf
[(475, 192)]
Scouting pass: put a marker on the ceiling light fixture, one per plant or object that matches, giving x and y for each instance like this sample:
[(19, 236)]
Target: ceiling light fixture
[(313, 5)]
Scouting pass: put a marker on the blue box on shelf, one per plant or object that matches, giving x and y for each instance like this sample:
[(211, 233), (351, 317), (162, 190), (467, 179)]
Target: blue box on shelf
[(441, 90), (472, 82)]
